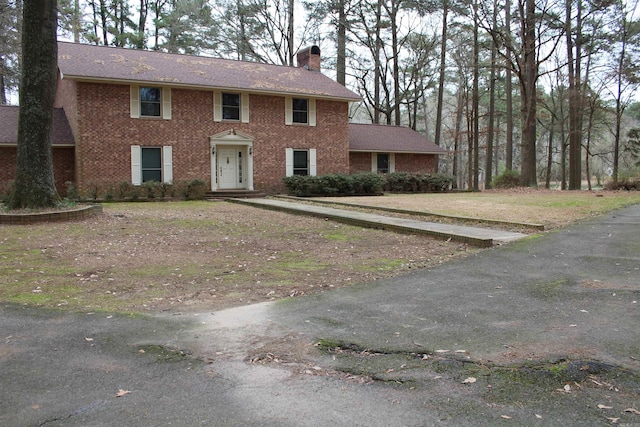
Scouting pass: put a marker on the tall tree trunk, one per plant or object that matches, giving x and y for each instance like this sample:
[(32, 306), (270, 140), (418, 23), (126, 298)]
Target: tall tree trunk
[(341, 62), (492, 105), (547, 183), (529, 96), (34, 185), (376, 61), (476, 98), (575, 97), (290, 28), (508, 94), (443, 63)]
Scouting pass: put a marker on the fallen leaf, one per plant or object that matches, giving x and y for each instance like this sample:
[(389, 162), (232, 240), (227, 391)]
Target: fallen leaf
[(442, 351), (632, 410), (567, 387), (460, 351), (469, 380), (538, 416), (122, 392), (506, 417), (613, 420), (88, 339), (601, 406)]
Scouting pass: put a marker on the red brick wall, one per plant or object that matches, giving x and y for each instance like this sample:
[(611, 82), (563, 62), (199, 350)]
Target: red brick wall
[(405, 162), (359, 162), (417, 163), (105, 133), (63, 168)]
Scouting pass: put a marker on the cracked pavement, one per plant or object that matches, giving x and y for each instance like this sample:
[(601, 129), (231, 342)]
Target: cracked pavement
[(539, 332)]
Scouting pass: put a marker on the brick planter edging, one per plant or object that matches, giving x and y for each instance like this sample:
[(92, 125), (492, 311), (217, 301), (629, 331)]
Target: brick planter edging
[(78, 214)]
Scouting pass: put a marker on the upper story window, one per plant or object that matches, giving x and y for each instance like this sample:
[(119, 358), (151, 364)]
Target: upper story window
[(300, 111), (300, 108), (150, 101), (230, 106)]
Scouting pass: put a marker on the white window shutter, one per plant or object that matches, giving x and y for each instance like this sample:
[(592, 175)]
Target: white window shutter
[(392, 162), (312, 162), (312, 112), (166, 103), (136, 165), (217, 106), (134, 100), (289, 161), (167, 164), (288, 110), (244, 104), (374, 162)]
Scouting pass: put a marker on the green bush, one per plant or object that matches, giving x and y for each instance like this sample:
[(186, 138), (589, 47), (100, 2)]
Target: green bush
[(404, 182), (72, 191), (507, 179), (195, 189), (366, 183), (6, 189), (334, 184)]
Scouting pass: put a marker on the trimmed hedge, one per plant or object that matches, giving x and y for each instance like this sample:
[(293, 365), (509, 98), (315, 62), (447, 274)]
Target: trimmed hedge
[(366, 183)]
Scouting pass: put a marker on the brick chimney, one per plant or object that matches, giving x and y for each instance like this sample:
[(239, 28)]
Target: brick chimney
[(309, 58)]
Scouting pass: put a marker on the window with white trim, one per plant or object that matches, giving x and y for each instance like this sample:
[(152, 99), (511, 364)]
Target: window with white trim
[(150, 101), (151, 164), (230, 106), (300, 162), (300, 111), (383, 162)]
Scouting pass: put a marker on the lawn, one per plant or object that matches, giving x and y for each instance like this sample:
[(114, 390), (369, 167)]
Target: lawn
[(192, 256)]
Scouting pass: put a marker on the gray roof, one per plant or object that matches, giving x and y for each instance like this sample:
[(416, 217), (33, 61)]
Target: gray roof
[(390, 139), (91, 62), (62, 134)]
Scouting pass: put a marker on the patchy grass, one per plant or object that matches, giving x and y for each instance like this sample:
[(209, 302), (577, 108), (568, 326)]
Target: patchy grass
[(140, 257), (548, 207)]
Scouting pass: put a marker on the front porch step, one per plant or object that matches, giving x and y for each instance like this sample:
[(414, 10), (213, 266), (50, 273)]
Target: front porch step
[(233, 194)]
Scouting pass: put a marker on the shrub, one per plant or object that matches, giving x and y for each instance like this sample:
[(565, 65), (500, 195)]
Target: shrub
[(72, 191), (367, 183), (195, 189), (6, 189), (439, 182), (507, 179)]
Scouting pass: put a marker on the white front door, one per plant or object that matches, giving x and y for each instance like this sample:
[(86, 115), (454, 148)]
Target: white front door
[(228, 168)]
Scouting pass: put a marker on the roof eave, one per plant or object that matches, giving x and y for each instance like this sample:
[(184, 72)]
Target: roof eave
[(207, 87), (364, 150)]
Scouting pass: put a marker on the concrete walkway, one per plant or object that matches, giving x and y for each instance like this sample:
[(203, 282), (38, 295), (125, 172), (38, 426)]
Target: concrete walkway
[(482, 237)]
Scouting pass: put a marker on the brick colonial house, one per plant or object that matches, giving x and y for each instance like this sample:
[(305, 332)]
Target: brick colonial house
[(125, 115)]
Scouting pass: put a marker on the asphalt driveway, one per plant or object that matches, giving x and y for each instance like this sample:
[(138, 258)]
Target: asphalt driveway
[(544, 331)]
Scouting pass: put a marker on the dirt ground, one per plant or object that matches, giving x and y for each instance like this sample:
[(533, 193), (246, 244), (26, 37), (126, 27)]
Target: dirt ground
[(199, 256), (195, 256)]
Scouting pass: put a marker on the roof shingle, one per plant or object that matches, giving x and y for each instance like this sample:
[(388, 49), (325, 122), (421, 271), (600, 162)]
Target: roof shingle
[(62, 134), (83, 61), (390, 139)]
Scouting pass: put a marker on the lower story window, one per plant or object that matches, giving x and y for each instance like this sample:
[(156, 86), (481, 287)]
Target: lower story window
[(383, 163), (301, 162), (151, 164)]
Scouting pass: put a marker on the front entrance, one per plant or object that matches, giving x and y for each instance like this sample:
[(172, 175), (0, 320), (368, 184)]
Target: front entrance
[(231, 161)]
